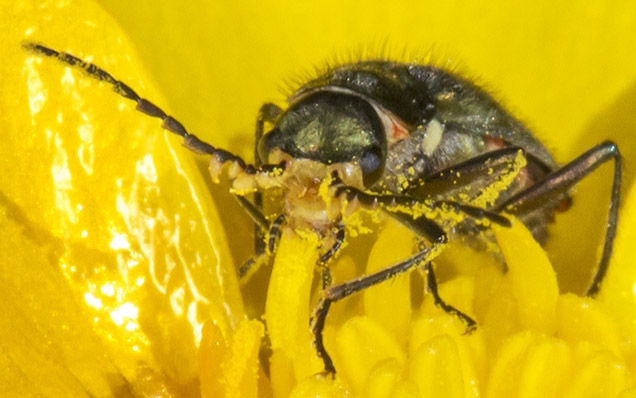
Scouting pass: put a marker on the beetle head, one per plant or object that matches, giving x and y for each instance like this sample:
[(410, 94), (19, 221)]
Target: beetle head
[(331, 127)]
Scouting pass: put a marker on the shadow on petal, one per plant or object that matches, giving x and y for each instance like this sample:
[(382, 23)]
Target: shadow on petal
[(574, 262)]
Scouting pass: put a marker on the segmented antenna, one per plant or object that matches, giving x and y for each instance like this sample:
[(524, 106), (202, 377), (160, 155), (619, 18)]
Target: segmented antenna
[(169, 123)]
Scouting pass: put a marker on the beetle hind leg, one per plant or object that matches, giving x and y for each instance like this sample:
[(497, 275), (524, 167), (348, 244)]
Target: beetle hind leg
[(561, 180)]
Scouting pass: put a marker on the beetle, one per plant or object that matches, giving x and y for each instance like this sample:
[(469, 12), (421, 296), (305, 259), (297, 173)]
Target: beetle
[(424, 145)]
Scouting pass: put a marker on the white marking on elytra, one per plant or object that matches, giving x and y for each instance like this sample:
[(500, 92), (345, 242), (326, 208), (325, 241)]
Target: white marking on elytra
[(432, 137)]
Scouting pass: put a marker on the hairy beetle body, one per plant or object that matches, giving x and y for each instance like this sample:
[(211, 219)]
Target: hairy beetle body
[(403, 123), (426, 146)]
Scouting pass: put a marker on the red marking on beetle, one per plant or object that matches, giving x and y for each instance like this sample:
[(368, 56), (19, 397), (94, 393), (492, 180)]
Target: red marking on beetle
[(564, 205), (398, 130), (524, 178), (493, 143)]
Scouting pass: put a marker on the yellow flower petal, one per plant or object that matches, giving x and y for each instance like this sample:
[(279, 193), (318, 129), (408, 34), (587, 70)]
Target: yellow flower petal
[(507, 366), (231, 370), (429, 328), (546, 369), (362, 343), (583, 319), (395, 243), (241, 368), (287, 307), (533, 279), (437, 370), (106, 212), (383, 379), (602, 375), (212, 353), (318, 388)]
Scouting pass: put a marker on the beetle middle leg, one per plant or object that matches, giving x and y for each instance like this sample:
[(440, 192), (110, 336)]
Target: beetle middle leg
[(422, 228), (431, 285)]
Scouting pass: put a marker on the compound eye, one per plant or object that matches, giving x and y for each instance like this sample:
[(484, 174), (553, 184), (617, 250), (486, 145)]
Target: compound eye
[(372, 165)]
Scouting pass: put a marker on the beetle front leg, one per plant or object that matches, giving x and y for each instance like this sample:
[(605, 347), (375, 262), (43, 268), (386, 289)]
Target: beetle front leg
[(346, 289), (325, 274), (274, 232)]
